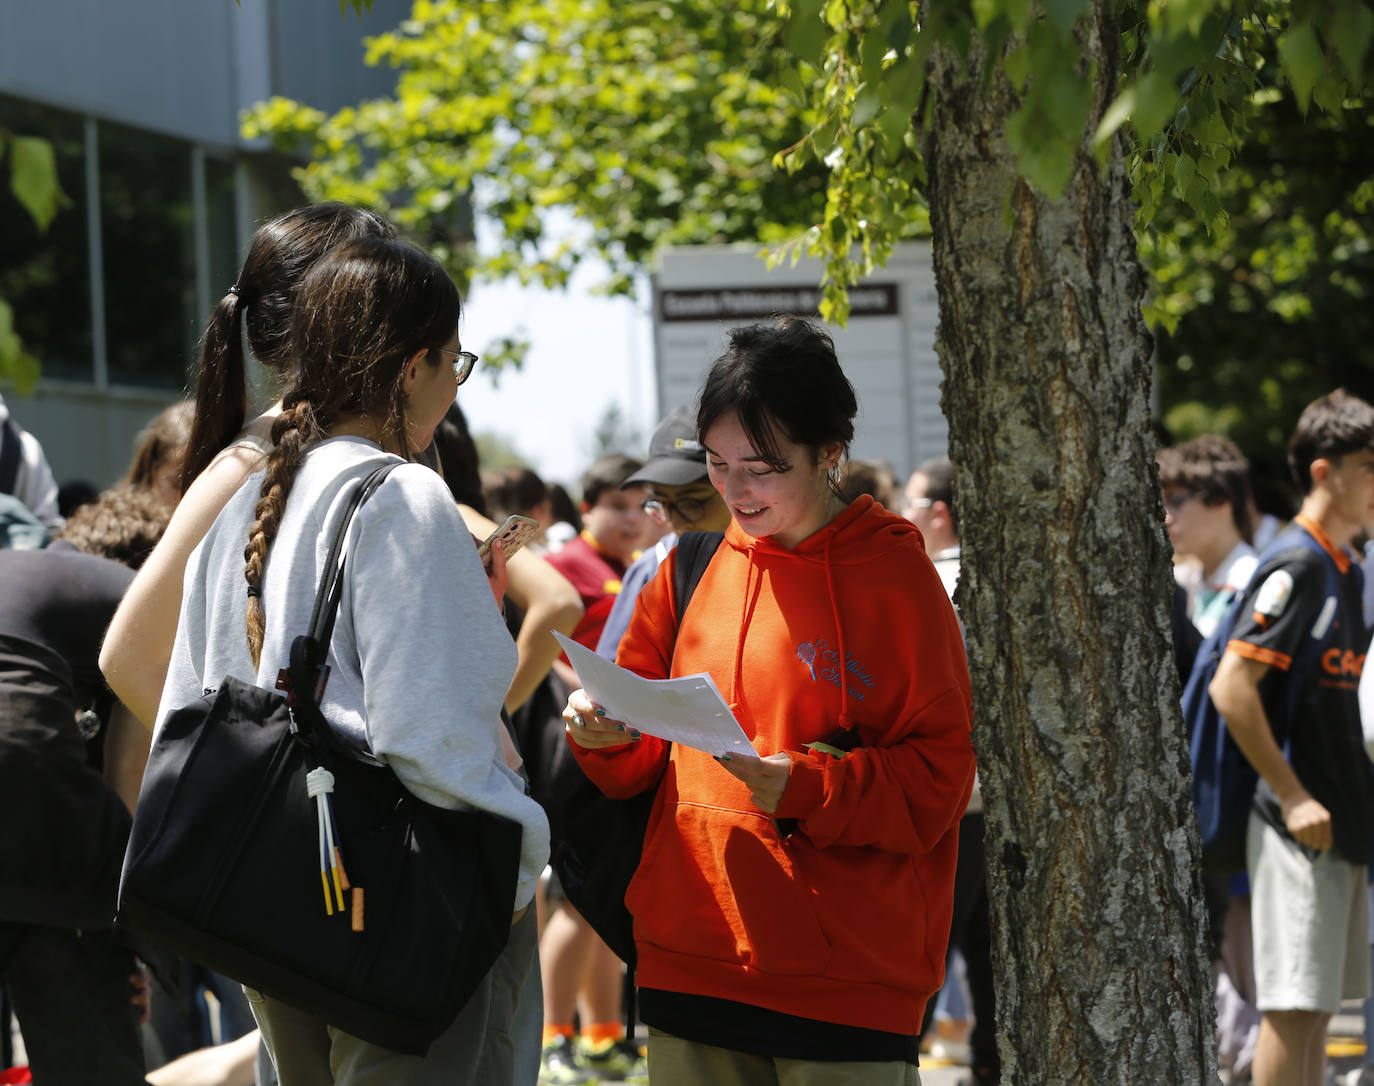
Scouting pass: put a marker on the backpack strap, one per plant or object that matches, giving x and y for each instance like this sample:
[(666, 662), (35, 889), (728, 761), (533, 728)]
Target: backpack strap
[(10, 453), (694, 553)]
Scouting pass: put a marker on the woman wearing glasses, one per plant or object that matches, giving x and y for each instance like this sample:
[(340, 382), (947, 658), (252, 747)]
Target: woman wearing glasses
[(223, 451), (791, 910), (420, 660)]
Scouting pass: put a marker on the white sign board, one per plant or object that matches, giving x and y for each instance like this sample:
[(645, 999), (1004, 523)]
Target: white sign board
[(887, 350)]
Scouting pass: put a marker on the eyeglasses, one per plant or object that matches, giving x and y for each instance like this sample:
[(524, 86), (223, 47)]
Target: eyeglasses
[(463, 361), (690, 510), (1177, 500)]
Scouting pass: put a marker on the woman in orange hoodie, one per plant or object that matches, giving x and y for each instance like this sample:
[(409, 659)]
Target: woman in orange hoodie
[(791, 911)]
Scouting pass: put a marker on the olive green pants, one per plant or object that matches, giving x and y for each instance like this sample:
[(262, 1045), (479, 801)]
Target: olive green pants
[(675, 1062), (477, 1050)]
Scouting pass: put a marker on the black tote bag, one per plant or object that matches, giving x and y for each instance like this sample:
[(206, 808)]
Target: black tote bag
[(223, 864)]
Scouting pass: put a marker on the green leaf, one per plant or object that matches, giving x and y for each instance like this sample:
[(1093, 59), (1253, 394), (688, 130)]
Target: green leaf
[(1064, 13), (1068, 99), (1185, 169), (894, 123), (1156, 102), (994, 39), (1018, 11), (1046, 159), (1302, 59), (1017, 66), (806, 38), (1352, 26), (1116, 115), (985, 11), (866, 106), (1329, 93), (16, 365), (33, 178)]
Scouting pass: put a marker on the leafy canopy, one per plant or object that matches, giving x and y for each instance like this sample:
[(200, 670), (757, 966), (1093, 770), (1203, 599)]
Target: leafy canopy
[(1192, 74), (654, 121)]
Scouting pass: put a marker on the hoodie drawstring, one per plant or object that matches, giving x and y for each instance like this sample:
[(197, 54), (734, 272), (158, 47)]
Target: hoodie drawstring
[(747, 605), (845, 722)]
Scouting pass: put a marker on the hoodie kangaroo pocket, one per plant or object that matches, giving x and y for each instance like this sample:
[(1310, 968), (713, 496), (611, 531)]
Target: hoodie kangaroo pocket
[(875, 915), (719, 884)]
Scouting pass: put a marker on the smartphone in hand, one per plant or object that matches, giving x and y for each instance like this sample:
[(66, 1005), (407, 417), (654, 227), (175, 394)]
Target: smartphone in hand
[(513, 534)]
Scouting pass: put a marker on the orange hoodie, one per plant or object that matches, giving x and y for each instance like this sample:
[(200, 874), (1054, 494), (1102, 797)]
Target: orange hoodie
[(845, 920)]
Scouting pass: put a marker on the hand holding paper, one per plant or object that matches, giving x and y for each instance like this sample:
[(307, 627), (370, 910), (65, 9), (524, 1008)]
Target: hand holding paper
[(687, 710)]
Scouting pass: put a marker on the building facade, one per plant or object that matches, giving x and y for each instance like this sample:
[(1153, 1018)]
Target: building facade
[(141, 101)]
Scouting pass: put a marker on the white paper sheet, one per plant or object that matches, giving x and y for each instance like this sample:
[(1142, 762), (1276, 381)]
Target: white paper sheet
[(687, 710)]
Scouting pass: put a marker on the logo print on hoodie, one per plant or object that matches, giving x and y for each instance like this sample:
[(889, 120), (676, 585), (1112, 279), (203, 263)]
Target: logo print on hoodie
[(832, 671)]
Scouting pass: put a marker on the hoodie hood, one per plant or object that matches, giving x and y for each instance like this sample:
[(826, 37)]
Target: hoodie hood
[(862, 531)]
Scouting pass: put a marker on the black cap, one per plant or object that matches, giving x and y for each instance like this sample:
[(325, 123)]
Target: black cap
[(675, 455)]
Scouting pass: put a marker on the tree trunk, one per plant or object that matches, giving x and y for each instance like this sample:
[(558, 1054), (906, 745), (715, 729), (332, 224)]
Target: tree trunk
[(1099, 927)]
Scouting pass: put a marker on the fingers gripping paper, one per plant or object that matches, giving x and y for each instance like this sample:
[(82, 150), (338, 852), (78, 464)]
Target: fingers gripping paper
[(687, 710)]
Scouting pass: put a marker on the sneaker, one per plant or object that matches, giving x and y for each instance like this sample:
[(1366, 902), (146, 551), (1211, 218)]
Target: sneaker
[(559, 1066), (614, 1061)]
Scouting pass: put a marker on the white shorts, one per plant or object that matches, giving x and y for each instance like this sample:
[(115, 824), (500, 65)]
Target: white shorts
[(1311, 925)]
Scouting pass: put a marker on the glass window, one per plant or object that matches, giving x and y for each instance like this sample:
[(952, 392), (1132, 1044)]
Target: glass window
[(148, 240), (220, 227), (46, 277)]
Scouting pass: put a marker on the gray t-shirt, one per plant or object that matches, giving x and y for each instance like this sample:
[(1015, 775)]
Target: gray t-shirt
[(420, 659)]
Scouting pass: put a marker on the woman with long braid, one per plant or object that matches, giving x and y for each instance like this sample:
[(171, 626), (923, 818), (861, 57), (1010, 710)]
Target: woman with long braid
[(223, 451), (420, 660)]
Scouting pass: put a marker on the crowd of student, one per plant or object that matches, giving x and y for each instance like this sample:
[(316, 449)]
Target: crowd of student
[(793, 911), (1286, 617), (866, 761)]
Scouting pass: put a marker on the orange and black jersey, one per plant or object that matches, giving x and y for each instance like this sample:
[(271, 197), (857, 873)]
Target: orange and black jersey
[(1302, 616)]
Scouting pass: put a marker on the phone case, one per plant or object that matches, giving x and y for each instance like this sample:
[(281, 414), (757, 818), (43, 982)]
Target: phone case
[(514, 534)]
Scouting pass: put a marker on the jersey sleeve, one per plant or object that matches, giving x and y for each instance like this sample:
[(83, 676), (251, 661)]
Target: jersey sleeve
[(1278, 610)]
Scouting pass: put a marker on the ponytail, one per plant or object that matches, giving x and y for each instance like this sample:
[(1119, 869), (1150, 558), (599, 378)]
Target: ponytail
[(293, 430), (221, 392), (280, 253)]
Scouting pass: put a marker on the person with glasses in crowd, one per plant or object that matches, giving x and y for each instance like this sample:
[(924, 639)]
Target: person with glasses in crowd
[(420, 660), (225, 445), (681, 498)]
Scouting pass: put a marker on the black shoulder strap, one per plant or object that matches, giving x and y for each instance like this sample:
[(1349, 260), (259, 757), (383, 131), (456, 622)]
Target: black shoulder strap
[(331, 586), (694, 553), (310, 651), (10, 453)]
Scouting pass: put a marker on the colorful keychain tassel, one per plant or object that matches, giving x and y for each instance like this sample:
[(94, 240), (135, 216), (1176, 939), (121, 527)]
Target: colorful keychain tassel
[(319, 785)]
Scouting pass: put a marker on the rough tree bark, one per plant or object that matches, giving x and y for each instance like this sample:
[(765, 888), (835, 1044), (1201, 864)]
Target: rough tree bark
[(1092, 848)]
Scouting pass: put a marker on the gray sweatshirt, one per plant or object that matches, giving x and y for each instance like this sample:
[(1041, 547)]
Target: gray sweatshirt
[(420, 658)]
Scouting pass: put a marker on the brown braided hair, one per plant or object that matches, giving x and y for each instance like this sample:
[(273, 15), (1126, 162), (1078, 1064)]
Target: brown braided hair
[(362, 313)]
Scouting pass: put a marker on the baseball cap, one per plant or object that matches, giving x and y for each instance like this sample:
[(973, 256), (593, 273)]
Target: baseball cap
[(676, 456)]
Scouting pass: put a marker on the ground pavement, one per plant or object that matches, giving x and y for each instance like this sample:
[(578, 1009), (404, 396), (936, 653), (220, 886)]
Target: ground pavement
[(1344, 1052)]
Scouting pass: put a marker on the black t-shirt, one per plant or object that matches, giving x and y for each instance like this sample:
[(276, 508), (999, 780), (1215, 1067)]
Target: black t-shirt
[(66, 829), (743, 1027), (1287, 614)]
